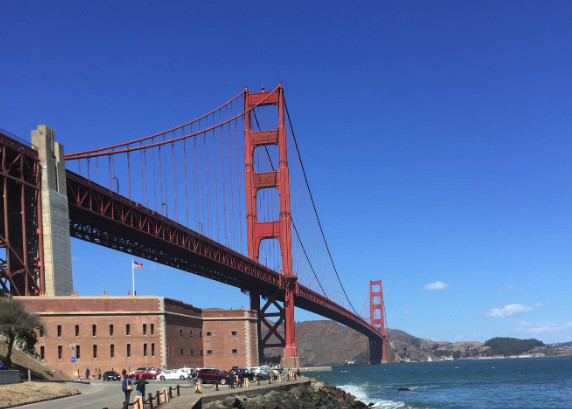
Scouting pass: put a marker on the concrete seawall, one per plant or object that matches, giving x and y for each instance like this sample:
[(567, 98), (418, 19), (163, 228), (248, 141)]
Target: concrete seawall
[(189, 399), (316, 369)]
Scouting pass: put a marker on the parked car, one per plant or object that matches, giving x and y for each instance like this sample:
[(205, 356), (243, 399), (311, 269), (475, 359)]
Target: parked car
[(111, 376), (212, 376), (266, 374), (145, 373), (262, 372), (173, 374), (254, 376)]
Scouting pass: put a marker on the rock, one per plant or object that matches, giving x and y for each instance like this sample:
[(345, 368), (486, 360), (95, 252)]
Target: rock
[(237, 403), (317, 395), (404, 389)]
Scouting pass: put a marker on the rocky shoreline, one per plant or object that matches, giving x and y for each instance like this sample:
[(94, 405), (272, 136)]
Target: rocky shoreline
[(316, 395)]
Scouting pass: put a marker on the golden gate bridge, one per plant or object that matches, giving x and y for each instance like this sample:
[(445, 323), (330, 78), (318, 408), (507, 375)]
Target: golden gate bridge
[(217, 196)]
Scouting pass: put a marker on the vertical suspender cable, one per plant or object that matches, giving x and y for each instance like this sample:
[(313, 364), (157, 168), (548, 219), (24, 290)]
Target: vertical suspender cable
[(223, 175), (175, 180), (166, 179), (160, 179), (216, 178), (154, 177), (129, 172), (186, 184)]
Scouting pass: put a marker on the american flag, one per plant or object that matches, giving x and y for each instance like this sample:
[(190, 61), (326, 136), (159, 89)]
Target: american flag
[(137, 264)]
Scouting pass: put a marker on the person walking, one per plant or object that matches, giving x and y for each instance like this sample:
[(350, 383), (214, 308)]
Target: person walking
[(87, 374), (140, 386), (240, 378), (99, 373), (127, 386), (231, 376)]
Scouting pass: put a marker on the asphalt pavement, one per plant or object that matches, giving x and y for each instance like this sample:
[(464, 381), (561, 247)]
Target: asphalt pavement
[(98, 395)]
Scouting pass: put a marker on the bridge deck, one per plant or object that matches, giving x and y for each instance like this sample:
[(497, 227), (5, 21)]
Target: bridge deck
[(100, 216)]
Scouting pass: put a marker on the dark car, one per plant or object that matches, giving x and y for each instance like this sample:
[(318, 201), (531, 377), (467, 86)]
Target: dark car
[(212, 376), (111, 376)]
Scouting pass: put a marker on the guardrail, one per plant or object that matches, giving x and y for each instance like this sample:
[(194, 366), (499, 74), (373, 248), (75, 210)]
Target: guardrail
[(166, 394), (152, 402)]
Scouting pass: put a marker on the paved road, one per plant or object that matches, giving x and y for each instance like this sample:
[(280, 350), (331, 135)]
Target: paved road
[(97, 395)]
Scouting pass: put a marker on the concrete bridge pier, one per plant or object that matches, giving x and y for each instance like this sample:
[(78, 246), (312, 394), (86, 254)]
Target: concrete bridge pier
[(376, 351), (55, 213)]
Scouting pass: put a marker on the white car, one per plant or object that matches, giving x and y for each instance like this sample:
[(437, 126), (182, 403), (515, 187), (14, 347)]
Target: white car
[(258, 369), (173, 374)]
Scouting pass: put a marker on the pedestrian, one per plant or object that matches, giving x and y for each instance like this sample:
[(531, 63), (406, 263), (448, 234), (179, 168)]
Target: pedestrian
[(298, 373), (240, 378), (231, 376), (140, 386), (87, 374), (99, 373), (127, 386), (124, 373)]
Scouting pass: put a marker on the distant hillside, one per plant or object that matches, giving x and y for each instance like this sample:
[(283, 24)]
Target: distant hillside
[(561, 344), (326, 342)]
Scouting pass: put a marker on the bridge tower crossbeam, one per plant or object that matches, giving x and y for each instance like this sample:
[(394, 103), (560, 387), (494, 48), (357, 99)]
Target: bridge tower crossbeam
[(279, 229)]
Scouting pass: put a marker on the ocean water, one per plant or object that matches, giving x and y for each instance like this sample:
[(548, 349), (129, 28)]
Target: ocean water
[(523, 383)]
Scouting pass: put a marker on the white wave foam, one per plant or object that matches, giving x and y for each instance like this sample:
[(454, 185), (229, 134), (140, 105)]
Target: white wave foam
[(359, 392)]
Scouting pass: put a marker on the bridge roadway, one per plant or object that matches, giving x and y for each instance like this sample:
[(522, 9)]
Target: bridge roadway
[(101, 216)]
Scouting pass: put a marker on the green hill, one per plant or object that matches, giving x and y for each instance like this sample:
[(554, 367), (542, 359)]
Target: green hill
[(511, 346)]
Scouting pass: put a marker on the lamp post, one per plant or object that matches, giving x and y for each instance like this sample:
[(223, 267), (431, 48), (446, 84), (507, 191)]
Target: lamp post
[(72, 346), (117, 179)]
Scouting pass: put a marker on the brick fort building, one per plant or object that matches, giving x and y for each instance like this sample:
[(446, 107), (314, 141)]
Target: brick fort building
[(129, 332)]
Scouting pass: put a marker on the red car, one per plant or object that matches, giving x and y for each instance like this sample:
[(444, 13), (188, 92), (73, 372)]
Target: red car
[(212, 376), (145, 373)]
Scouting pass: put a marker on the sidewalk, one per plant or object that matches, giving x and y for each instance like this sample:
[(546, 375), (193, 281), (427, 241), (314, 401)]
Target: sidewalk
[(189, 398)]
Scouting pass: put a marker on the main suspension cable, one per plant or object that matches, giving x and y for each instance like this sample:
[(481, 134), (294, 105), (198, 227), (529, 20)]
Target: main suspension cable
[(291, 218), (316, 210)]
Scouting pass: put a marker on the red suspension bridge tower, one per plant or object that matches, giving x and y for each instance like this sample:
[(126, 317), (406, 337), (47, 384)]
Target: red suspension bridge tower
[(278, 229), (377, 317)]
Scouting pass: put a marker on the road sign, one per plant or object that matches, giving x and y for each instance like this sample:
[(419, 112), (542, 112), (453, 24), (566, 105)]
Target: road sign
[(73, 359)]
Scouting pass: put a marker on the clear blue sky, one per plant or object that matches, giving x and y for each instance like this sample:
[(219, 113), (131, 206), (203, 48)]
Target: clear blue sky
[(436, 136)]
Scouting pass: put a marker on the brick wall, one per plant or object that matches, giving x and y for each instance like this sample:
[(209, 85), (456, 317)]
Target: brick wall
[(103, 342), (166, 338), (184, 336), (226, 334), (85, 312)]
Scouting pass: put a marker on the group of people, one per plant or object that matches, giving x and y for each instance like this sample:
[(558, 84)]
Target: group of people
[(127, 385), (236, 378), (88, 374)]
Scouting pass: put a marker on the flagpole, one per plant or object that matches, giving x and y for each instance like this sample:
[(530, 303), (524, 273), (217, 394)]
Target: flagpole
[(133, 275)]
